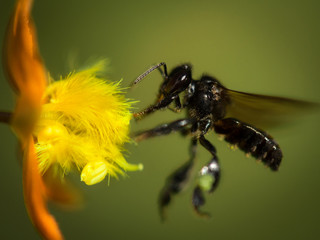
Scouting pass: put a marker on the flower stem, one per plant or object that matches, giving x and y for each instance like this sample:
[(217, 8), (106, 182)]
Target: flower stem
[(5, 117)]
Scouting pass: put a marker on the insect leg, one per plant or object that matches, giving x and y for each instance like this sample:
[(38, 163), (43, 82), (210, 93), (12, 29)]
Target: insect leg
[(159, 105), (208, 179), (250, 140), (177, 180), (178, 105), (163, 129)]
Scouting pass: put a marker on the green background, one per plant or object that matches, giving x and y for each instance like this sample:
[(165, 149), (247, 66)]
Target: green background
[(268, 47)]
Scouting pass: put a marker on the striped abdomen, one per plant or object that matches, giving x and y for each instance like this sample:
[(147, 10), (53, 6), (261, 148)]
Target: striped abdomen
[(250, 140)]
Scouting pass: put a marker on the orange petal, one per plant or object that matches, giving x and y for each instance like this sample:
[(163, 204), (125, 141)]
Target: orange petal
[(27, 74), (34, 196), (22, 60), (61, 191), (24, 68)]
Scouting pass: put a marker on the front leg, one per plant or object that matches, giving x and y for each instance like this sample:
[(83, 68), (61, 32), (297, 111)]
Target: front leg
[(209, 178), (177, 108), (159, 105)]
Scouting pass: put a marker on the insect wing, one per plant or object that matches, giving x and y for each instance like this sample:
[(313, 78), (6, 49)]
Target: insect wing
[(264, 111)]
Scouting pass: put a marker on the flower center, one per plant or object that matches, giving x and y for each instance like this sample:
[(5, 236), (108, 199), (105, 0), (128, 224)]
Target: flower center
[(51, 132)]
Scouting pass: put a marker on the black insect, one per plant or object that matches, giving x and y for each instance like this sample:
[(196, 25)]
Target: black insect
[(209, 105)]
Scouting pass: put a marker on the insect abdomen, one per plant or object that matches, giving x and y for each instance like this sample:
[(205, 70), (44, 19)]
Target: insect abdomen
[(250, 140)]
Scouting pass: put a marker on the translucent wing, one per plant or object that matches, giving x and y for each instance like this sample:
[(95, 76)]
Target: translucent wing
[(265, 111)]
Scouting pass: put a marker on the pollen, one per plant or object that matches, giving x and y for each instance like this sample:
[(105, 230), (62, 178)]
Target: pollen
[(84, 124), (94, 172), (205, 182)]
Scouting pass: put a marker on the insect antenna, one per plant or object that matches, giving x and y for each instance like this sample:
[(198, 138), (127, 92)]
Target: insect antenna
[(143, 75)]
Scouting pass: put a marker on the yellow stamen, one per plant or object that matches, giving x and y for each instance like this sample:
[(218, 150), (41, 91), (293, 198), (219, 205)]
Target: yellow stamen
[(94, 172)]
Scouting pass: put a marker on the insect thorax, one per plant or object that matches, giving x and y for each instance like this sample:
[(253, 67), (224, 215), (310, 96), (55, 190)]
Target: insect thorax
[(208, 101)]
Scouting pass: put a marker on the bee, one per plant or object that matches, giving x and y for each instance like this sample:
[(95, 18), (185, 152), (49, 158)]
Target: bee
[(211, 106)]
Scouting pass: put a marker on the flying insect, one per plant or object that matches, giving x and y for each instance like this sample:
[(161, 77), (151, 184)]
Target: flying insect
[(211, 106)]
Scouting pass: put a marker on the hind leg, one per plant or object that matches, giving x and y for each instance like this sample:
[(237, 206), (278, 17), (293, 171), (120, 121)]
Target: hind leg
[(163, 129), (209, 177), (177, 180), (179, 177)]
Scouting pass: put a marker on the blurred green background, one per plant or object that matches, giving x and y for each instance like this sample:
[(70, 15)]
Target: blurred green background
[(269, 47)]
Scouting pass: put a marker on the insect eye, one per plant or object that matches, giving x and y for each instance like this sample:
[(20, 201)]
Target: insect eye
[(178, 80)]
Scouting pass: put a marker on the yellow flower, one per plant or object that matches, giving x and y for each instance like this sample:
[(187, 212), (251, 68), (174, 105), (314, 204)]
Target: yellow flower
[(83, 124), (80, 122)]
